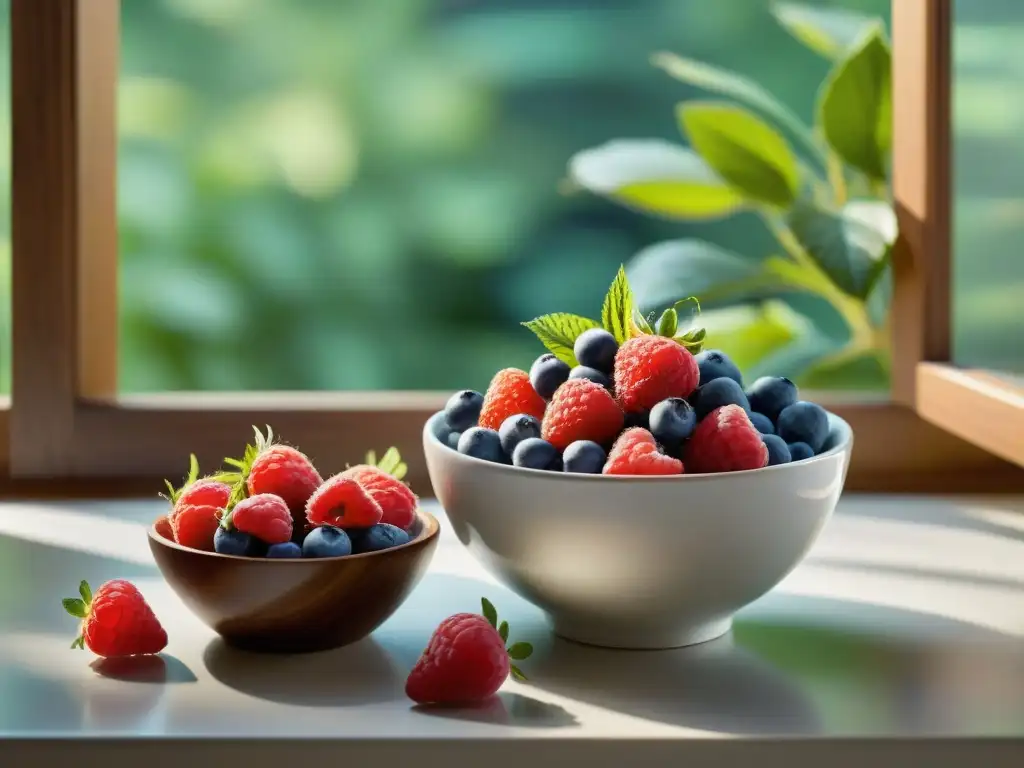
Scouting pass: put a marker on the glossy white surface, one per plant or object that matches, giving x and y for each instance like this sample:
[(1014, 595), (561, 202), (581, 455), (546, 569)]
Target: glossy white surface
[(906, 620), (638, 562)]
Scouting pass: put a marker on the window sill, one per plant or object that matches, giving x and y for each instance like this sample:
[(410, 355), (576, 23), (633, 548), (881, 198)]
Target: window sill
[(874, 640)]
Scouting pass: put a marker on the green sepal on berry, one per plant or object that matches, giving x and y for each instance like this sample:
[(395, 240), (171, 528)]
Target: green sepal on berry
[(516, 651), (79, 608), (620, 317), (173, 494), (239, 474)]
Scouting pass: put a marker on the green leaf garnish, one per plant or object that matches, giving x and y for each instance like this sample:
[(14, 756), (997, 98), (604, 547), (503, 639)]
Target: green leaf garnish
[(75, 607), (668, 323), (503, 631), (517, 673), (617, 310), (520, 651), (173, 494), (85, 591), (558, 333), (490, 613), (391, 462)]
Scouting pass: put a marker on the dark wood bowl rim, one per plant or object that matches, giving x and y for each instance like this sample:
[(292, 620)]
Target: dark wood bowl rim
[(431, 528)]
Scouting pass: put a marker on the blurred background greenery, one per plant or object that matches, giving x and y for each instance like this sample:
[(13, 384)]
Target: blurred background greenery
[(356, 194)]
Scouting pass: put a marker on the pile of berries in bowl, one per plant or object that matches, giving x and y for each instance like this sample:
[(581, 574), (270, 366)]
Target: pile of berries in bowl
[(241, 546), (629, 484)]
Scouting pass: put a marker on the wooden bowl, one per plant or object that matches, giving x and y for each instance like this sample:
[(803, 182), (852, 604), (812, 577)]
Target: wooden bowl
[(294, 606)]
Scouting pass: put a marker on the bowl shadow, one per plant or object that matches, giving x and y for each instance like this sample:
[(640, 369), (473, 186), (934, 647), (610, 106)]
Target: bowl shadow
[(360, 673)]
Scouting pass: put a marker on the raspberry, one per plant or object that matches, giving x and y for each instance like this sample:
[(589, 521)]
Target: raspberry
[(116, 621), (509, 393), (162, 525), (264, 516), (397, 501), (343, 503), (649, 369), (195, 525), (465, 661), (581, 410), (636, 453), (269, 467), (196, 491), (726, 441)]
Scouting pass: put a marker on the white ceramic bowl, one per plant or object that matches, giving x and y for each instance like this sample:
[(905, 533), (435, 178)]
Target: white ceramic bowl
[(638, 562)]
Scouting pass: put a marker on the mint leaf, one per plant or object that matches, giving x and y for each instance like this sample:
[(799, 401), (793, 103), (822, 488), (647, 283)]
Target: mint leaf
[(74, 606), (520, 651), (503, 631), (668, 323), (490, 613), (559, 331), (85, 591), (517, 673), (617, 311)]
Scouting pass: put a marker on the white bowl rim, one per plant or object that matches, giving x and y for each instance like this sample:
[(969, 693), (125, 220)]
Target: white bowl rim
[(837, 425)]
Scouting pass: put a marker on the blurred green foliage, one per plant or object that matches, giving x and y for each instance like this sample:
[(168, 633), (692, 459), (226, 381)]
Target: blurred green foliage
[(821, 189), (349, 194)]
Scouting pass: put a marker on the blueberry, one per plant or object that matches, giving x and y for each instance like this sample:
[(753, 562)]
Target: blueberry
[(770, 394), (547, 374), (482, 443), (463, 409), (378, 537), (236, 543), (515, 429), (596, 348), (534, 453), (719, 392), (804, 422), (637, 419), (778, 451), (327, 541), (584, 457), (800, 451), (762, 423), (596, 376), (453, 440), (672, 422), (288, 549), (715, 364)]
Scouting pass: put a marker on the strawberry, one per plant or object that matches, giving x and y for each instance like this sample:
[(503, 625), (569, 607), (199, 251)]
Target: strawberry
[(343, 503), (269, 467), (116, 621), (636, 453), (196, 491), (726, 441), (581, 409), (466, 660), (383, 482), (264, 516), (649, 369), (509, 393), (195, 524), (163, 527)]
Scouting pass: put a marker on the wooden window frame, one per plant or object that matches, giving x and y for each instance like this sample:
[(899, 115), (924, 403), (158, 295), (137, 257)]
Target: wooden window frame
[(65, 418)]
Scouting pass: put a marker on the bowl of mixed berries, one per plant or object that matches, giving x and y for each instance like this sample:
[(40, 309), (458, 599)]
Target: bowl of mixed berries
[(273, 557), (631, 484)]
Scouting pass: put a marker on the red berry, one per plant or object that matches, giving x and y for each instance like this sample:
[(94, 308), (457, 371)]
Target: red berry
[(204, 492), (509, 393), (636, 453), (464, 662), (194, 526), (264, 516), (726, 441), (116, 621), (285, 472), (396, 499), (163, 527), (343, 503), (581, 409), (649, 369)]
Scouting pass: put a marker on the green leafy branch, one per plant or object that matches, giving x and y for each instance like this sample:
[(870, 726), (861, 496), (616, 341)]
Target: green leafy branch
[(821, 190)]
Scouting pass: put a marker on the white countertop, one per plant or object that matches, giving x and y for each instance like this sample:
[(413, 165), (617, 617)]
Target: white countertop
[(906, 620)]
